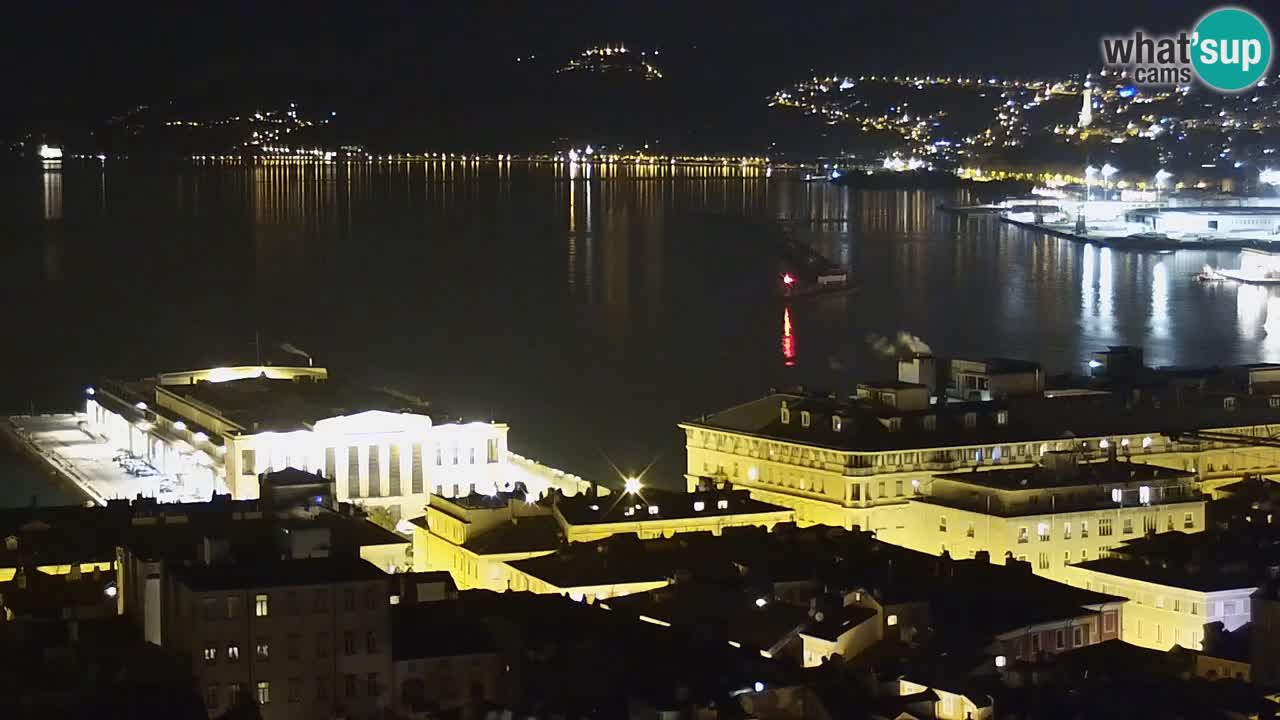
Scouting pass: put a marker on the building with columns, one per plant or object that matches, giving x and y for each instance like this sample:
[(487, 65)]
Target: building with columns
[(219, 429)]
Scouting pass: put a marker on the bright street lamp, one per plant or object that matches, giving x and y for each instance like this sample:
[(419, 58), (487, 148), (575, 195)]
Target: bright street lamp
[(631, 485)]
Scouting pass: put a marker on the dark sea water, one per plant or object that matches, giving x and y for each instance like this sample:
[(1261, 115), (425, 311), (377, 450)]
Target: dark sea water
[(592, 310)]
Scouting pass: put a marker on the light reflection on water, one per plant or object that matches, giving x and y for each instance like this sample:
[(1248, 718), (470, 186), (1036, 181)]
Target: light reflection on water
[(591, 306)]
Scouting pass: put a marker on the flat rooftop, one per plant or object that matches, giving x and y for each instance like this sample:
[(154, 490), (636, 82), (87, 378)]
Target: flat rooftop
[(587, 510), (263, 404), (1106, 472)]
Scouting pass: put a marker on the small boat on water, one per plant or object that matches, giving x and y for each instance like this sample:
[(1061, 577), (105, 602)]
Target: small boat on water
[(1209, 275)]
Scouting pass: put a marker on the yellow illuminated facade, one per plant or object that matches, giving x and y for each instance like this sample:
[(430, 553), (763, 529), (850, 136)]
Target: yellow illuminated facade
[(478, 538), (871, 489), (1160, 616)]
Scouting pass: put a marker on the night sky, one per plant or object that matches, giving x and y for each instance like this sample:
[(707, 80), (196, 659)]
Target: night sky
[(73, 57)]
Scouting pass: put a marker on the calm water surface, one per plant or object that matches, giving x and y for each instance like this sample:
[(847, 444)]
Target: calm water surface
[(591, 309)]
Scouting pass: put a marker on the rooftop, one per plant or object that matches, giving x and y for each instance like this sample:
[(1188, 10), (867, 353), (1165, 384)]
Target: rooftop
[(869, 427), (262, 404), (587, 510), (312, 571), (1106, 472), (526, 534)]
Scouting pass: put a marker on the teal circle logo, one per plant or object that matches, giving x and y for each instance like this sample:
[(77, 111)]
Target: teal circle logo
[(1231, 49)]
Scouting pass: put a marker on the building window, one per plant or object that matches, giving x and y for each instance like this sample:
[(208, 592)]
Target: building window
[(1043, 531), (1077, 636), (264, 692), (373, 684), (880, 490), (1035, 643), (969, 530), (210, 608), (349, 685), (233, 693), (970, 420), (210, 654), (211, 696), (1188, 520), (1109, 622), (322, 688), (321, 603), (1127, 527), (1144, 494), (942, 524), (1169, 523), (295, 690), (263, 651), (1066, 531), (1084, 528), (233, 653), (248, 462), (291, 605), (322, 645), (891, 620), (722, 504), (1104, 527), (1066, 557), (348, 642), (1043, 563), (1002, 417), (897, 488), (261, 605), (292, 643), (1022, 535), (353, 471), (836, 423), (371, 598), (1084, 554), (371, 642), (805, 417), (1177, 605), (930, 423), (1195, 608), (349, 599), (1060, 639)]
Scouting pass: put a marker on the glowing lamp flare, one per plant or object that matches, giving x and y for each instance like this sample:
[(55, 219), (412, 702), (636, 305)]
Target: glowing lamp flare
[(788, 279), (631, 485)]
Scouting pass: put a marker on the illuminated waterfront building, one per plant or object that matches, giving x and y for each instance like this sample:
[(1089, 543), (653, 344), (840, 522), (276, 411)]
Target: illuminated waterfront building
[(859, 461), (218, 429)]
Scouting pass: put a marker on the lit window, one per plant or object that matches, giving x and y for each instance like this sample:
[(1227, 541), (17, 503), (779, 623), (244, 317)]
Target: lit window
[(1002, 417), (1043, 531), (1146, 442), (264, 692), (805, 417), (210, 654), (891, 620), (263, 650), (1188, 520), (1044, 449), (1066, 531), (722, 504), (1117, 495), (699, 506), (1001, 661), (233, 653), (261, 606), (1144, 495), (1022, 535), (653, 509)]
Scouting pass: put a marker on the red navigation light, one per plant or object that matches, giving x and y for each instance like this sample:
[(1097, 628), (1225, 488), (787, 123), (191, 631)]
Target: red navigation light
[(788, 279)]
